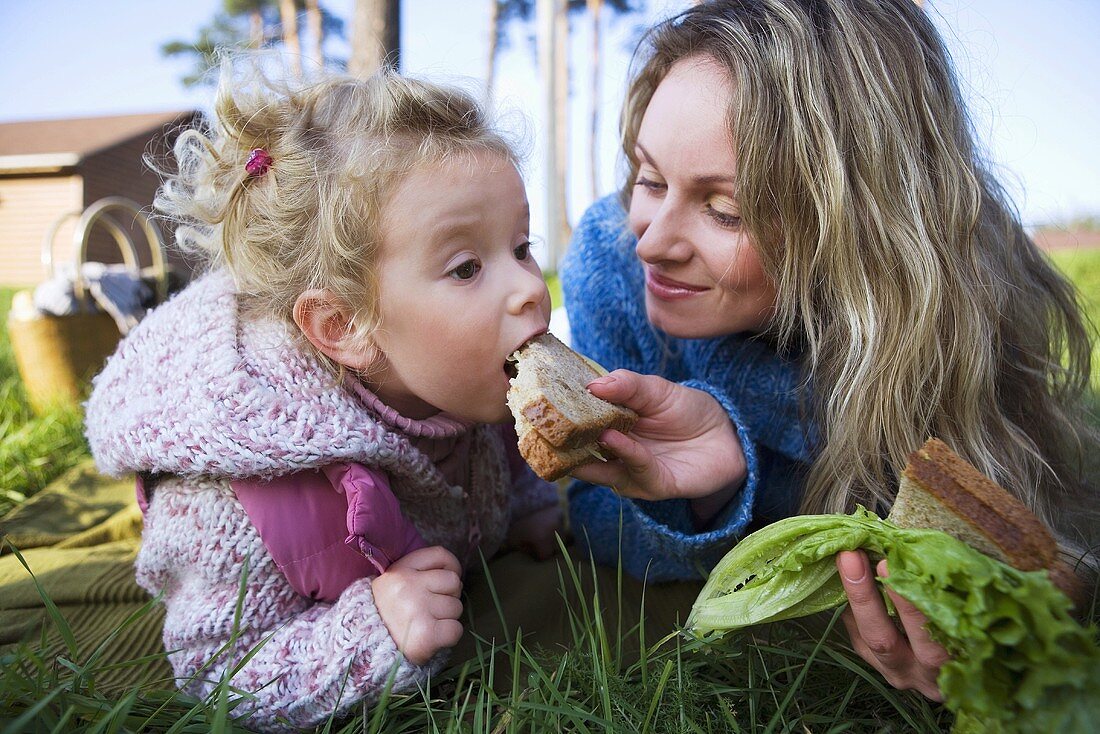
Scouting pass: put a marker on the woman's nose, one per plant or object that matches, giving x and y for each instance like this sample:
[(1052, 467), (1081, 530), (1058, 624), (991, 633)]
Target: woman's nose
[(662, 236)]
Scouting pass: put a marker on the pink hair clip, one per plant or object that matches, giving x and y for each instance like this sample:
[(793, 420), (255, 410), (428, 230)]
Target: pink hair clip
[(259, 160)]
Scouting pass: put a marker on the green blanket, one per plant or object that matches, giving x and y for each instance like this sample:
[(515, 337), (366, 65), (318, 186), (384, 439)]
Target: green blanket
[(79, 537)]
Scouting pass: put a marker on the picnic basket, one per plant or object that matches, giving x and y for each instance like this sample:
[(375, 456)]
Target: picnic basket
[(57, 355)]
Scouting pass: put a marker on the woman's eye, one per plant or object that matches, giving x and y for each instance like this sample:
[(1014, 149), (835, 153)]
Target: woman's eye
[(466, 270), (650, 184), (723, 219), (523, 251)]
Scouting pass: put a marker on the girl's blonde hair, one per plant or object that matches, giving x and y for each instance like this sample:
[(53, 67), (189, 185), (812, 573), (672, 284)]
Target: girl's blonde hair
[(340, 145), (904, 277)]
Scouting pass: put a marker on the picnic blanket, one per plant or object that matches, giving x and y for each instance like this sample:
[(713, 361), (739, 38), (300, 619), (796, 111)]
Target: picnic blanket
[(80, 536)]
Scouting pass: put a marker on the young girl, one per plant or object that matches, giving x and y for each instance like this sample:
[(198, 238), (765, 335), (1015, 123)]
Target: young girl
[(308, 420)]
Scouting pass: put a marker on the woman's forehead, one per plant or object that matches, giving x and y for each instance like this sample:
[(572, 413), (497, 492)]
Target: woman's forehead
[(687, 119)]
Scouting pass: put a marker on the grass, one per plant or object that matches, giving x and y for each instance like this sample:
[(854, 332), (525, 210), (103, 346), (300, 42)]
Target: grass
[(553, 283), (786, 678), (791, 677), (33, 449), (1083, 268)]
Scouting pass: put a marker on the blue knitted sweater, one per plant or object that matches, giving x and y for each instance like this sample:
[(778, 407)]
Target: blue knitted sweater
[(604, 285)]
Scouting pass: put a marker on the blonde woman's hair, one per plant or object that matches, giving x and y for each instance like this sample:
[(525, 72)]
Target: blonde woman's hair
[(904, 277), (340, 145)]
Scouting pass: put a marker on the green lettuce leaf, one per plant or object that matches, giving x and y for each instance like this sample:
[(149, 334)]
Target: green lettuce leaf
[(1020, 663)]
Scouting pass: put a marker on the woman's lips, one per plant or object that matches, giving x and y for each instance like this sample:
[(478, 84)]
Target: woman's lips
[(668, 289)]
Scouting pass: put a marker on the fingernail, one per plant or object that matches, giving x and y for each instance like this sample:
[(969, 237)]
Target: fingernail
[(852, 567), (604, 380)]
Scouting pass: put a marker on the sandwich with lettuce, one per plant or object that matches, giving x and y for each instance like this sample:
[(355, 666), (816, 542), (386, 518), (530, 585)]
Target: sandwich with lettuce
[(973, 559)]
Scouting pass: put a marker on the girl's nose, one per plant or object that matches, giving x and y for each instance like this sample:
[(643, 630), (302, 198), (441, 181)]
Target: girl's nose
[(661, 235), (529, 291)]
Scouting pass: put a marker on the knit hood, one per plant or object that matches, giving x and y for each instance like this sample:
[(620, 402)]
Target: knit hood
[(194, 390)]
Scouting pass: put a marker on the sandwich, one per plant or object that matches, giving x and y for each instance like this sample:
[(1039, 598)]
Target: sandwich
[(940, 490), (950, 525), (557, 419)]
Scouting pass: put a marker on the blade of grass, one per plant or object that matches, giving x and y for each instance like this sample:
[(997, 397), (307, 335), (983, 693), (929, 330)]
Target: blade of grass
[(378, 714), (496, 599), (19, 724), (60, 623), (805, 668), (115, 718), (656, 700)]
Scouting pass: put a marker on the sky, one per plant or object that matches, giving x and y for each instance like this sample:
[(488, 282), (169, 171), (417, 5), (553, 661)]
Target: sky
[(1030, 71)]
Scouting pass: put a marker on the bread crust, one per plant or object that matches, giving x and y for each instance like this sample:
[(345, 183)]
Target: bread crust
[(563, 433), (549, 462), (991, 513)]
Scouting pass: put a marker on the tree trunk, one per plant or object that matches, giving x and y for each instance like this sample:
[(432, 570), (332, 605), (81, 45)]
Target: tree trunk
[(289, 16), (561, 109), (551, 84), (594, 8), (255, 29), (494, 33), (316, 33), (375, 36)]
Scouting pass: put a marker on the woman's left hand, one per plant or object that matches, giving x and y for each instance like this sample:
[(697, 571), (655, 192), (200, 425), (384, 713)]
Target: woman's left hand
[(908, 658), (537, 534), (683, 445)]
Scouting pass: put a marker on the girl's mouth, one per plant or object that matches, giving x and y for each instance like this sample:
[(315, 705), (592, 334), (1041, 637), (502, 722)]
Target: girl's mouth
[(511, 368)]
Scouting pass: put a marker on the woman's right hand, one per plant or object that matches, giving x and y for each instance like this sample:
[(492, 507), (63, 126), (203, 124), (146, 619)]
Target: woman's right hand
[(904, 652), (418, 598), (683, 445)]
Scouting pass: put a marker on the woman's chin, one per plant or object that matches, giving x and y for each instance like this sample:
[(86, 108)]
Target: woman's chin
[(701, 323), (681, 326)]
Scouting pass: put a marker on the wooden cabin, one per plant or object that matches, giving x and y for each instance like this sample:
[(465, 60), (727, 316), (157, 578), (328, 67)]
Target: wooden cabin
[(49, 168)]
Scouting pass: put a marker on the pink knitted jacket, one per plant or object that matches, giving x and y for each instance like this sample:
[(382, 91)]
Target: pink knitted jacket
[(194, 397)]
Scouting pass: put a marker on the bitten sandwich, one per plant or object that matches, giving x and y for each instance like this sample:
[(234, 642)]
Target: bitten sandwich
[(557, 419)]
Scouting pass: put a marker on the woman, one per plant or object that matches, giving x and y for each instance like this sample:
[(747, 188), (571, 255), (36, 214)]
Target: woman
[(808, 272)]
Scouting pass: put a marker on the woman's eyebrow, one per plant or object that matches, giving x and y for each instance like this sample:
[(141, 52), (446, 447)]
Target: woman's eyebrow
[(704, 180), (713, 179)]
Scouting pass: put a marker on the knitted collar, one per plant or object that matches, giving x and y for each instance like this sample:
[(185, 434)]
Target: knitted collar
[(441, 425)]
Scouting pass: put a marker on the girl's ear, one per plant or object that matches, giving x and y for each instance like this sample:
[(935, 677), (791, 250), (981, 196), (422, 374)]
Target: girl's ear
[(325, 320)]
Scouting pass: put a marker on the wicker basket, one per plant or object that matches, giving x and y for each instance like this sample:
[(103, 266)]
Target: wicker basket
[(57, 355)]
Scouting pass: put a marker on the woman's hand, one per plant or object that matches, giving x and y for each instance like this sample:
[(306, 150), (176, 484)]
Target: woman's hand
[(418, 600), (907, 658), (537, 534), (683, 445)]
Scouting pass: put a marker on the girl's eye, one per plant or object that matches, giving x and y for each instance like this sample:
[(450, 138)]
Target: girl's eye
[(650, 185), (523, 251), (466, 271), (730, 221)]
